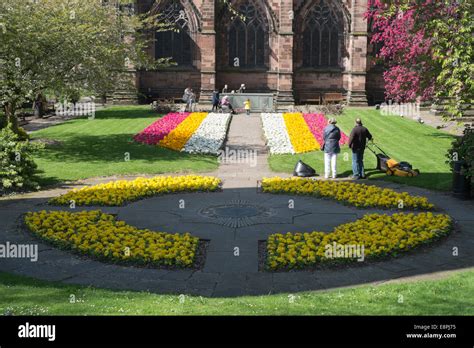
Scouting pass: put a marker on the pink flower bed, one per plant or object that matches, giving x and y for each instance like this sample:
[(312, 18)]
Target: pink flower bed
[(317, 123), (159, 129)]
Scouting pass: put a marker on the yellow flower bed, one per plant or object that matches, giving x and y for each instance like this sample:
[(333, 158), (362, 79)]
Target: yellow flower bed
[(179, 136), (380, 235), (117, 193), (359, 195), (100, 235), (301, 136)]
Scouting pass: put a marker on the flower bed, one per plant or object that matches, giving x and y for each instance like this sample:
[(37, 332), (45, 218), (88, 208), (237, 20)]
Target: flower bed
[(179, 136), (359, 195), (116, 193), (195, 132), (277, 136), (376, 236), (317, 123), (295, 132), (300, 135), (154, 133), (210, 136), (100, 235)]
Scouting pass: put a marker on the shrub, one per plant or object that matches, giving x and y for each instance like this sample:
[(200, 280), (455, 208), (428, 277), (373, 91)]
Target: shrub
[(17, 168), (463, 150)]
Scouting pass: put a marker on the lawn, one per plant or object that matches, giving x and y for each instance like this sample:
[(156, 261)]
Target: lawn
[(404, 139), (453, 295), (98, 147)]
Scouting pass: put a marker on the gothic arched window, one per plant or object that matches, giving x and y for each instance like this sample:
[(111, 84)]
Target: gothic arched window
[(247, 37), (321, 37), (175, 43)]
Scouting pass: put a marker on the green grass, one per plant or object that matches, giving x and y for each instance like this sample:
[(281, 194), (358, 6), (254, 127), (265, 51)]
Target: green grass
[(403, 139), (453, 295), (90, 148)]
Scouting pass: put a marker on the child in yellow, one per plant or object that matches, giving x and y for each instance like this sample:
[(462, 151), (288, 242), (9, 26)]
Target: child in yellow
[(247, 106)]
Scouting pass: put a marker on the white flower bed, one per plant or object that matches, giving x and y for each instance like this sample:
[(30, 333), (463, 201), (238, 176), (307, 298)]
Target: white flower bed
[(210, 136), (276, 133)]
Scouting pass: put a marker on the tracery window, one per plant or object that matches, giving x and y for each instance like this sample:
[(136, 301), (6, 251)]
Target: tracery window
[(321, 37), (247, 37), (176, 42)]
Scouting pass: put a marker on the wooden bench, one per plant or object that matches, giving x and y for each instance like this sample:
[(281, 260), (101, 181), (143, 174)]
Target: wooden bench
[(310, 98), (333, 97)]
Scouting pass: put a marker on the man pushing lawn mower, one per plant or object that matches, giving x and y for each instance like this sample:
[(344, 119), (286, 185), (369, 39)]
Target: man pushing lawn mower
[(358, 143)]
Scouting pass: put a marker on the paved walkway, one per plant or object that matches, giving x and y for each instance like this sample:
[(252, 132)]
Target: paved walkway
[(246, 159), (234, 220)]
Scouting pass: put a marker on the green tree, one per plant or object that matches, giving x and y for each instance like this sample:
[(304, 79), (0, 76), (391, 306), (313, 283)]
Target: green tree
[(62, 46)]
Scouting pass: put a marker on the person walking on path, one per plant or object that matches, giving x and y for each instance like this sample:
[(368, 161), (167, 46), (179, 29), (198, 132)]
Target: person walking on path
[(215, 100), (247, 106), (331, 148), (357, 143)]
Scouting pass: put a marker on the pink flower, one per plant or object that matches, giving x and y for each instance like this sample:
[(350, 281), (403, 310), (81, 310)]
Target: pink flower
[(317, 123), (159, 129)]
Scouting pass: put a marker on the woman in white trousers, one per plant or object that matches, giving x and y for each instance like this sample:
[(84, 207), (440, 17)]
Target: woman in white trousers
[(332, 136)]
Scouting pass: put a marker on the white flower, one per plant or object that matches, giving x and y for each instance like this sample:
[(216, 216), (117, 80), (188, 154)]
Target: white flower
[(210, 136), (276, 133)]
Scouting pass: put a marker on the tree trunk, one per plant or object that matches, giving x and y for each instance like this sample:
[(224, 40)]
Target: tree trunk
[(3, 118), (12, 120), (39, 105)]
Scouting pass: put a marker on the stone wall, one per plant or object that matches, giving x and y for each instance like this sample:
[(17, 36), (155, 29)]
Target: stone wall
[(282, 74)]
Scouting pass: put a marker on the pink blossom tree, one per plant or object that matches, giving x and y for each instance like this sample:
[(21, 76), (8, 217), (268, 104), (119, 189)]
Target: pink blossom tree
[(427, 48)]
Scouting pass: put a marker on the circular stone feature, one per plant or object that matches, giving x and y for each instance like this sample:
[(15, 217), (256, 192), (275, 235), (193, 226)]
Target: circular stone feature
[(236, 213)]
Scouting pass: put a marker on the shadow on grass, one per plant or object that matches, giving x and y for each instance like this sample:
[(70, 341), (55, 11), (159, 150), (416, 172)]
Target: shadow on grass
[(442, 136), (125, 113), (113, 148)]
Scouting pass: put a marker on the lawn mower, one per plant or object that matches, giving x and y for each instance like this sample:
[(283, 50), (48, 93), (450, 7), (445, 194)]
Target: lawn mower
[(390, 166)]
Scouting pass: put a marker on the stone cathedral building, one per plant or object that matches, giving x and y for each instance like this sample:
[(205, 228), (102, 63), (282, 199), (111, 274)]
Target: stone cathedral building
[(297, 50)]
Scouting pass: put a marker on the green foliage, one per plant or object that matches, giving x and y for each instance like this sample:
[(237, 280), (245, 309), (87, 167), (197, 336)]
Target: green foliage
[(463, 150), (17, 168), (453, 47), (59, 46)]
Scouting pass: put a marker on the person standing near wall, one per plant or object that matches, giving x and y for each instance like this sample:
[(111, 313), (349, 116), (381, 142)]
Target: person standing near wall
[(187, 98), (216, 99), (332, 136), (247, 106), (357, 143)]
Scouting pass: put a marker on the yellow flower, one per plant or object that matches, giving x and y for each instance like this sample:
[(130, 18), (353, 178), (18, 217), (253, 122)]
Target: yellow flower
[(81, 231), (379, 234), (300, 135), (117, 193), (359, 195)]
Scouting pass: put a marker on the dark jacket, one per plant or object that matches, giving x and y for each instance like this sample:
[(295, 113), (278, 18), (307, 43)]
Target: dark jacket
[(358, 138), (215, 98), (332, 135)]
